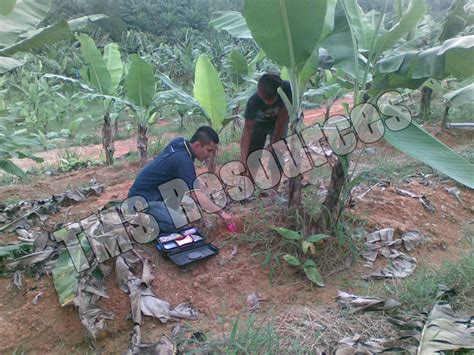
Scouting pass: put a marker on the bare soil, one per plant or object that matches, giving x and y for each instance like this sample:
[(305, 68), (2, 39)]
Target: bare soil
[(216, 289)]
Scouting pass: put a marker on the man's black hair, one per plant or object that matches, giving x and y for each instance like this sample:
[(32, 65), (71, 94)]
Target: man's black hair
[(205, 135), (268, 85)]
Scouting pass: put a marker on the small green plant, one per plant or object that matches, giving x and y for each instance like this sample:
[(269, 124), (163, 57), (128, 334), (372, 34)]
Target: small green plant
[(303, 260), (74, 127), (71, 160), (42, 139)]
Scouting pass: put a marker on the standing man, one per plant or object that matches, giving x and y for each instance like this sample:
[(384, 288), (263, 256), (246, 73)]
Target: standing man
[(176, 161), (265, 115)]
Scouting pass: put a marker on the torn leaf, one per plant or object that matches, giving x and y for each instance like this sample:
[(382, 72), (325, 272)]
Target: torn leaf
[(253, 301), (361, 304), (443, 331), (412, 239), (402, 266)]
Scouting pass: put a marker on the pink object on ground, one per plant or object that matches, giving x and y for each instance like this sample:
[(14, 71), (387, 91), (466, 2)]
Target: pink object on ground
[(231, 227)]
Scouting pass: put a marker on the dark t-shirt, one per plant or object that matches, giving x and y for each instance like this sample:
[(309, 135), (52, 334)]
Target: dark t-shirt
[(175, 161), (258, 111)]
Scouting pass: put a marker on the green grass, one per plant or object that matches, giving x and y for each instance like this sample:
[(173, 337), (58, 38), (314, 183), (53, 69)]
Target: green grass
[(7, 179), (400, 166), (228, 154), (419, 291), (394, 169), (245, 337)]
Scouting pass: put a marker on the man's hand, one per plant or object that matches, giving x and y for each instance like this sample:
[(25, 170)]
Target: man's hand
[(228, 220)]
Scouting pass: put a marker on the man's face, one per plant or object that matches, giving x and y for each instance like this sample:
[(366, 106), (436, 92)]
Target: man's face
[(203, 152), (268, 101)]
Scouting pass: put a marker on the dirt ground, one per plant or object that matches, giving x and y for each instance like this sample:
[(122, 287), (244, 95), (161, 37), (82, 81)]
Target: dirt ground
[(217, 289)]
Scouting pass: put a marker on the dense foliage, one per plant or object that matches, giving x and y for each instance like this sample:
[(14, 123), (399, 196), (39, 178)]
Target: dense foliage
[(50, 101)]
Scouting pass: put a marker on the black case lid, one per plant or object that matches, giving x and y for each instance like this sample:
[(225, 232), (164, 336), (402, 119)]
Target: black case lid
[(193, 254), (189, 253)]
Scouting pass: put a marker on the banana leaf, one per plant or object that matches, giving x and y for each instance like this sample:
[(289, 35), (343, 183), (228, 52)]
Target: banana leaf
[(140, 83), (209, 91), (461, 96), (47, 35), (14, 251), (412, 69), (289, 31), (419, 144), (24, 16), (95, 72), (7, 6), (415, 12), (114, 65), (7, 64), (445, 332), (237, 66), (65, 275), (232, 22), (11, 168)]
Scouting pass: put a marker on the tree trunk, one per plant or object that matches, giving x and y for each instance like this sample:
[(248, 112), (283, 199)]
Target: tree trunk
[(116, 128), (181, 121), (329, 206), (294, 192), (425, 104), (444, 121), (236, 124), (108, 140), (212, 162), (294, 184), (328, 111), (142, 143)]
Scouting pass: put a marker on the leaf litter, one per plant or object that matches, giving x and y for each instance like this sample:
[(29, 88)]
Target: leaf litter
[(383, 242)]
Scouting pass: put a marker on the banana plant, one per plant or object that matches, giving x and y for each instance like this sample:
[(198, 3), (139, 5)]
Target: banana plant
[(104, 74), (330, 92), (208, 97), (290, 33), (19, 19), (38, 102), (177, 98), (242, 83), (456, 97), (395, 70), (19, 32), (101, 76), (305, 249), (372, 44), (459, 21), (209, 92), (140, 88)]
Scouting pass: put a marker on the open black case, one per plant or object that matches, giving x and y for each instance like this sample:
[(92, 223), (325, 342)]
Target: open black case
[(185, 246)]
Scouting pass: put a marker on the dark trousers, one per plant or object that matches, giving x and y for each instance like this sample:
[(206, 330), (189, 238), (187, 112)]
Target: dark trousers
[(258, 139)]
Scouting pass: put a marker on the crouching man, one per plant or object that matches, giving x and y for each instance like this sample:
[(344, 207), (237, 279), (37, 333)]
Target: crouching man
[(176, 161)]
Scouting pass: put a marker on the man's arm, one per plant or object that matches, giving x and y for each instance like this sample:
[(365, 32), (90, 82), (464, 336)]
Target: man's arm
[(281, 122), (209, 206), (245, 140)]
